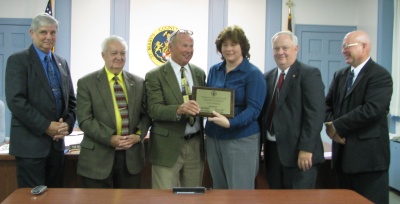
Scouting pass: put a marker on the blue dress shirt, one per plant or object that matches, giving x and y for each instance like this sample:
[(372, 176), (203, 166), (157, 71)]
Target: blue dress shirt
[(250, 93)]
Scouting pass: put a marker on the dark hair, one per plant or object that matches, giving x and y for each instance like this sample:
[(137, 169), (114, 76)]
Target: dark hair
[(236, 35)]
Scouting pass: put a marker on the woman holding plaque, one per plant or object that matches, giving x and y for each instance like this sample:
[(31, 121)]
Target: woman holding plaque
[(233, 143)]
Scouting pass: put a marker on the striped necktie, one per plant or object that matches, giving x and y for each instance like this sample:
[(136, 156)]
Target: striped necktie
[(186, 93), (122, 106)]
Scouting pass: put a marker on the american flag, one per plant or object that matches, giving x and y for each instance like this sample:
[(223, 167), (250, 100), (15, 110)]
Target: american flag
[(49, 9)]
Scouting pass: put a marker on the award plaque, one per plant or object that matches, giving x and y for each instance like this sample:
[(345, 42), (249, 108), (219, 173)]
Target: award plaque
[(214, 99)]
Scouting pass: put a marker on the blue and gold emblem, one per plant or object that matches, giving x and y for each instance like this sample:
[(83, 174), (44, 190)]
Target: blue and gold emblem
[(157, 45)]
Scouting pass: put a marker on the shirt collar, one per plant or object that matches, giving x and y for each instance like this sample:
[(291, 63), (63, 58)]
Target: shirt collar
[(110, 75), (359, 67), (286, 71), (177, 67), (42, 54), (241, 67)]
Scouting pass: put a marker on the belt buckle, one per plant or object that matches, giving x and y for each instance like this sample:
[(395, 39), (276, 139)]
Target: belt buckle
[(190, 136)]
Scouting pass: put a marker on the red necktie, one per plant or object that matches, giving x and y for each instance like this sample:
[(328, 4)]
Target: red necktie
[(271, 109)]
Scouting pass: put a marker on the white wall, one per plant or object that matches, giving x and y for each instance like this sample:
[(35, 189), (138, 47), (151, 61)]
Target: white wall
[(148, 16), (22, 8), (90, 25), (250, 15)]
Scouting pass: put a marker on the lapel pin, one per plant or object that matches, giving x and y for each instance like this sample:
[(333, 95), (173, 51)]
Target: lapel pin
[(294, 76)]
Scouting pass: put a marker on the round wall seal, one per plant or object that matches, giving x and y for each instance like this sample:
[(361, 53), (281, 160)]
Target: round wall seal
[(157, 45)]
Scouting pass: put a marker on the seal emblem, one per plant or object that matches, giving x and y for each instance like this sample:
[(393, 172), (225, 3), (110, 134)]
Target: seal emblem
[(157, 45)]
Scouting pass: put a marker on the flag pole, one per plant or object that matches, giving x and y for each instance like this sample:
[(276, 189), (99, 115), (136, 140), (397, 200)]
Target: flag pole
[(289, 3)]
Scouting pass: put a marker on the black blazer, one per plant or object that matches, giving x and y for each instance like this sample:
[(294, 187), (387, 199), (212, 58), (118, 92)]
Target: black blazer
[(32, 103), (299, 113), (361, 117)]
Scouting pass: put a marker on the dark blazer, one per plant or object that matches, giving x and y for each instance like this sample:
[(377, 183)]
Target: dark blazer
[(96, 117), (361, 117), (299, 113), (164, 97), (32, 103)]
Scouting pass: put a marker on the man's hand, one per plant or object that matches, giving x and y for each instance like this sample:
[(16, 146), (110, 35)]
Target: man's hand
[(330, 130), (337, 138), (219, 120), (304, 161), (57, 130), (190, 107), (124, 142)]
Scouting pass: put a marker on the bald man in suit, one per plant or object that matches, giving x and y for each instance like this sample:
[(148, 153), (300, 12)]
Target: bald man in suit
[(356, 120), (176, 148)]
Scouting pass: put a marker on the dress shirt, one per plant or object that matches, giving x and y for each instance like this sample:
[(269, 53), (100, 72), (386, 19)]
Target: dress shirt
[(269, 136), (250, 91), (177, 70)]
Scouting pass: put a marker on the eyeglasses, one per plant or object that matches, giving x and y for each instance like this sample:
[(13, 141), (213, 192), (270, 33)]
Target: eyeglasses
[(347, 46), (183, 31)]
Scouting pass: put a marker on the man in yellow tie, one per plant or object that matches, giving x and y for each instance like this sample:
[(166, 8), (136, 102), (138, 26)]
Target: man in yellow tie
[(112, 114)]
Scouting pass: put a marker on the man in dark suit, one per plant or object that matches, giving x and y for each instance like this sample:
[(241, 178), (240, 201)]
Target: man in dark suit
[(41, 98), (112, 149), (176, 147), (357, 107), (292, 118)]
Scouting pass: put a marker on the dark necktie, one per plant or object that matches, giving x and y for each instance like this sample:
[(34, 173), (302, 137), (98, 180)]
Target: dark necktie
[(186, 93), (122, 106), (350, 80), (55, 85), (273, 102)]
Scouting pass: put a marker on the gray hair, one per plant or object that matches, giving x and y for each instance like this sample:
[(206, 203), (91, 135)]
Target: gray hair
[(43, 19), (294, 38), (113, 38)]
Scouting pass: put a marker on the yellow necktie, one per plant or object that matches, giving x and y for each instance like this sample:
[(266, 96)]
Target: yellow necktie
[(186, 93)]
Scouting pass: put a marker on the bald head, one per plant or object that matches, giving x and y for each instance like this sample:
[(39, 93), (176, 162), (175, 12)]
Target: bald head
[(356, 47)]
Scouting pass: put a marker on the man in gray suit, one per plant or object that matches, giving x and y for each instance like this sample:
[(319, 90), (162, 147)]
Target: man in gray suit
[(176, 147), (112, 149), (292, 118), (41, 99)]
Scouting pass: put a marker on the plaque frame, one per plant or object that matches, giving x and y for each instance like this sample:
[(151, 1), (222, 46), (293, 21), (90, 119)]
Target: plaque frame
[(203, 91)]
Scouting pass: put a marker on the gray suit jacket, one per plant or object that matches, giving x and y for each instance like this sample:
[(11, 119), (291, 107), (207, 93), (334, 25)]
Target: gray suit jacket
[(164, 97), (96, 117), (32, 103), (299, 113)]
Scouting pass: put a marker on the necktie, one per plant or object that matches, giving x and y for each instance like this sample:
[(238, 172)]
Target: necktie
[(122, 106), (350, 80), (186, 93), (273, 102), (55, 85)]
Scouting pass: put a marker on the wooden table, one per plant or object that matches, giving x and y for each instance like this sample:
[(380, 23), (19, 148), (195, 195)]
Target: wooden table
[(79, 195)]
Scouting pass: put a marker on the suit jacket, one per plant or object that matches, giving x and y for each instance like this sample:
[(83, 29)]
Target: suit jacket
[(360, 115), (299, 113), (96, 117), (164, 96), (32, 103)]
